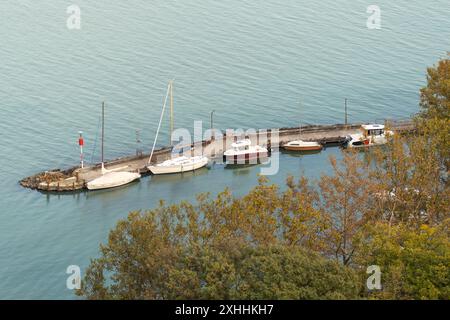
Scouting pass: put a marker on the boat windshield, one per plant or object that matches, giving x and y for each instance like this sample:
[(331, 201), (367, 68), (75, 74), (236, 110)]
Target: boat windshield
[(241, 145), (375, 132)]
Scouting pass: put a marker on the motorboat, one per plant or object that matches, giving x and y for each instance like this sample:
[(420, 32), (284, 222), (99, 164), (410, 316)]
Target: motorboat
[(111, 178), (242, 152), (179, 164), (300, 145), (371, 134)]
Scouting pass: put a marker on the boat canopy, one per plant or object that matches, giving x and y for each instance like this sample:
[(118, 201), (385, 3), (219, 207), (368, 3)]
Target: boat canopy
[(373, 129), (241, 144), (372, 126)]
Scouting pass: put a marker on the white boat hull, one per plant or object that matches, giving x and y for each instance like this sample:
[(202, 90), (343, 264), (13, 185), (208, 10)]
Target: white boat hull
[(245, 158), (178, 168), (372, 135), (300, 145), (243, 153), (112, 180), (361, 142)]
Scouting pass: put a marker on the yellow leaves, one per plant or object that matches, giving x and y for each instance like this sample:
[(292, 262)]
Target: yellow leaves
[(435, 97), (414, 263), (427, 229), (387, 206)]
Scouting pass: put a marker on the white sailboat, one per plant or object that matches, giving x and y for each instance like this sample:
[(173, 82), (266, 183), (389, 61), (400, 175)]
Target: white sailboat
[(111, 178), (178, 164)]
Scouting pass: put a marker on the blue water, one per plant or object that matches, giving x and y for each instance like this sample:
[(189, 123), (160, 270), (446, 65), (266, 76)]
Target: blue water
[(253, 62)]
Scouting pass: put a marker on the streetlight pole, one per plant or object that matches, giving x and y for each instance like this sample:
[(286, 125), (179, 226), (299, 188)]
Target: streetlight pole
[(212, 132), (138, 143)]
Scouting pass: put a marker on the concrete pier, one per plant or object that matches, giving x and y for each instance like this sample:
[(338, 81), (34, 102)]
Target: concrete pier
[(76, 178)]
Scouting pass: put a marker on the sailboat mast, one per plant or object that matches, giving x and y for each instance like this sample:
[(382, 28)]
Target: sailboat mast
[(159, 124), (103, 130), (300, 123), (171, 112)]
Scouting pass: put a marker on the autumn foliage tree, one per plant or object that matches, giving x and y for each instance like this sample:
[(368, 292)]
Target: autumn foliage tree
[(386, 206), (414, 262), (435, 97), (256, 247), (345, 204)]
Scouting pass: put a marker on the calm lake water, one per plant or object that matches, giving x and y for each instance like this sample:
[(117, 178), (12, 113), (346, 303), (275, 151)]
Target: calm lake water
[(250, 61)]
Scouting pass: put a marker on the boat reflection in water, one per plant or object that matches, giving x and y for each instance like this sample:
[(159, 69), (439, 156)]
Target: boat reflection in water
[(179, 165), (303, 146), (181, 176), (300, 153)]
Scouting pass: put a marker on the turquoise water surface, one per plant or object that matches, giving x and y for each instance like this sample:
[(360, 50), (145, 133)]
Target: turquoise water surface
[(250, 61)]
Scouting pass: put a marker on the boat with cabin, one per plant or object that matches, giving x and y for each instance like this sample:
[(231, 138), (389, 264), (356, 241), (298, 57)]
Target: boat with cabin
[(243, 152), (371, 134)]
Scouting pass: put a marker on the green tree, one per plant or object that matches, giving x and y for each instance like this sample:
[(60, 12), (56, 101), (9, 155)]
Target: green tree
[(292, 273), (434, 121), (435, 97), (193, 250), (409, 184), (414, 263), (389, 208), (138, 263), (345, 203)]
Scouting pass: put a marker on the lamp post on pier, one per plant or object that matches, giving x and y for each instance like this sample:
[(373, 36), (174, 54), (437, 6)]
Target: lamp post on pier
[(138, 143), (212, 127)]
